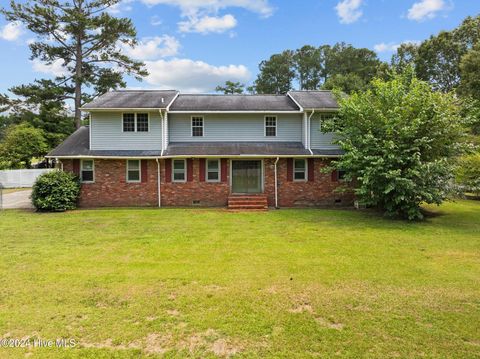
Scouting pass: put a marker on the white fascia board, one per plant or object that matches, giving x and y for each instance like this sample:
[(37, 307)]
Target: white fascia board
[(192, 156), (295, 101), (267, 112), (122, 109), (173, 100)]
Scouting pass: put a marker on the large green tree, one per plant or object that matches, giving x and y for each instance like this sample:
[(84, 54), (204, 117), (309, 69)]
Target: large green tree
[(276, 74), (22, 143), (438, 58), (308, 64), (470, 73), (85, 39), (400, 139)]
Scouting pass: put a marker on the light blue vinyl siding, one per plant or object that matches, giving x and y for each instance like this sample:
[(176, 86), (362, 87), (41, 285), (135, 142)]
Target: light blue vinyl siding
[(318, 139), (235, 127), (107, 133)]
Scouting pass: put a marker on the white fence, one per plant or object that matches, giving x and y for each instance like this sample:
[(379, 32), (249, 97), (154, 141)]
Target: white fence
[(21, 178)]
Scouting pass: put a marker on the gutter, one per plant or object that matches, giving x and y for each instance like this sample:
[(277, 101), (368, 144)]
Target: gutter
[(194, 155), (276, 183)]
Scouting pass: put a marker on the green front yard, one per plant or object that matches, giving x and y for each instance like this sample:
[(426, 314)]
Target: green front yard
[(206, 283)]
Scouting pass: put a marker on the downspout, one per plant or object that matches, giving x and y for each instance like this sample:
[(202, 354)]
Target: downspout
[(158, 185), (276, 183), (308, 137)]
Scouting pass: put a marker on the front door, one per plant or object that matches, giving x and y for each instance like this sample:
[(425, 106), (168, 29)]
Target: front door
[(246, 176)]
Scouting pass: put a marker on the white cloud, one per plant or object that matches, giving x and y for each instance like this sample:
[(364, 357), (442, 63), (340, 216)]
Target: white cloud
[(202, 15), (391, 46), (208, 24), (192, 76), (56, 68), (155, 20), (426, 9), (349, 11), (150, 48), (122, 6), (12, 31), (193, 7)]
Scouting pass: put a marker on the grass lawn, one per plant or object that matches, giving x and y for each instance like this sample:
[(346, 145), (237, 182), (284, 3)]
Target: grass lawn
[(11, 190), (127, 283)]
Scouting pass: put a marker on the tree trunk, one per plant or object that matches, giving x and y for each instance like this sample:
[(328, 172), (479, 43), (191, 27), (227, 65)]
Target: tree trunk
[(78, 74)]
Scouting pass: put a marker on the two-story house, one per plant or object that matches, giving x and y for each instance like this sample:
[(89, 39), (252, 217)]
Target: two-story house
[(164, 148)]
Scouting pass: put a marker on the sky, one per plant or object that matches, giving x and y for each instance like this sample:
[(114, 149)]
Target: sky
[(195, 45)]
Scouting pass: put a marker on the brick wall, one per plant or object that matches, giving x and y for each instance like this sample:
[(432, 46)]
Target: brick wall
[(111, 189)]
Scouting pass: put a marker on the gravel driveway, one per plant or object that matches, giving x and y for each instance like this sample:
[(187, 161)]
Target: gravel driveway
[(20, 199)]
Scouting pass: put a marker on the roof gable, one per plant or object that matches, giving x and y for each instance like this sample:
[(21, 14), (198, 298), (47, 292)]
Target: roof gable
[(320, 99)]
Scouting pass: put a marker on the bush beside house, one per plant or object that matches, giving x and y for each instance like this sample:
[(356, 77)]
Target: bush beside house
[(56, 191)]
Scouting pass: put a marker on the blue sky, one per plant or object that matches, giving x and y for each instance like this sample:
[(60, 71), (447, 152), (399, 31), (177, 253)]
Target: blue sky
[(193, 45)]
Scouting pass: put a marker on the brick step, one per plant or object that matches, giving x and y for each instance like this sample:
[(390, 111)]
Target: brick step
[(248, 198), (247, 206), (240, 203)]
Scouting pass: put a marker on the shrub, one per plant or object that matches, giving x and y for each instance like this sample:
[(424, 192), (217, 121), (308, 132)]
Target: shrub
[(400, 139), (468, 174), (56, 191)]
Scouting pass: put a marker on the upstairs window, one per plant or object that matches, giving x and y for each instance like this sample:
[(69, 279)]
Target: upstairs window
[(213, 170), (128, 122), (135, 122), (300, 169), (270, 126), (133, 170), (197, 126), (87, 171), (179, 171), (142, 122)]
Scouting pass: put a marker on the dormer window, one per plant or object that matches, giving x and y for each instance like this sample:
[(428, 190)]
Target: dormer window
[(270, 126), (197, 126), (135, 122)]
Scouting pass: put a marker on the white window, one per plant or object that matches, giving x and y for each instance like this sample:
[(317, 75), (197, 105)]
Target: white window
[(135, 122), (179, 171), (128, 122), (300, 169), (87, 168), (142, 122), (270, 126), (213, 170), (197, 126), (133, 171)]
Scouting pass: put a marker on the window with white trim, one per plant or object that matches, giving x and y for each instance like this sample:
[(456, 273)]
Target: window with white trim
[(179, 171), (300, 169), (128, 122), (213, 170), (270, 126), (87, 169), (133, 171), (197, 126), (142, 122), (135, 122)]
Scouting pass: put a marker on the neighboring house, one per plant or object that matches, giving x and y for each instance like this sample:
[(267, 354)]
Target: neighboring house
[(163, 148)]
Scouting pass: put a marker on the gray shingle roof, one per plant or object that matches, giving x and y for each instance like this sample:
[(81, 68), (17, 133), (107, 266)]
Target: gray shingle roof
[(203, 102), (133, 99), (78, 143), (236, 149), (315, 99)]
